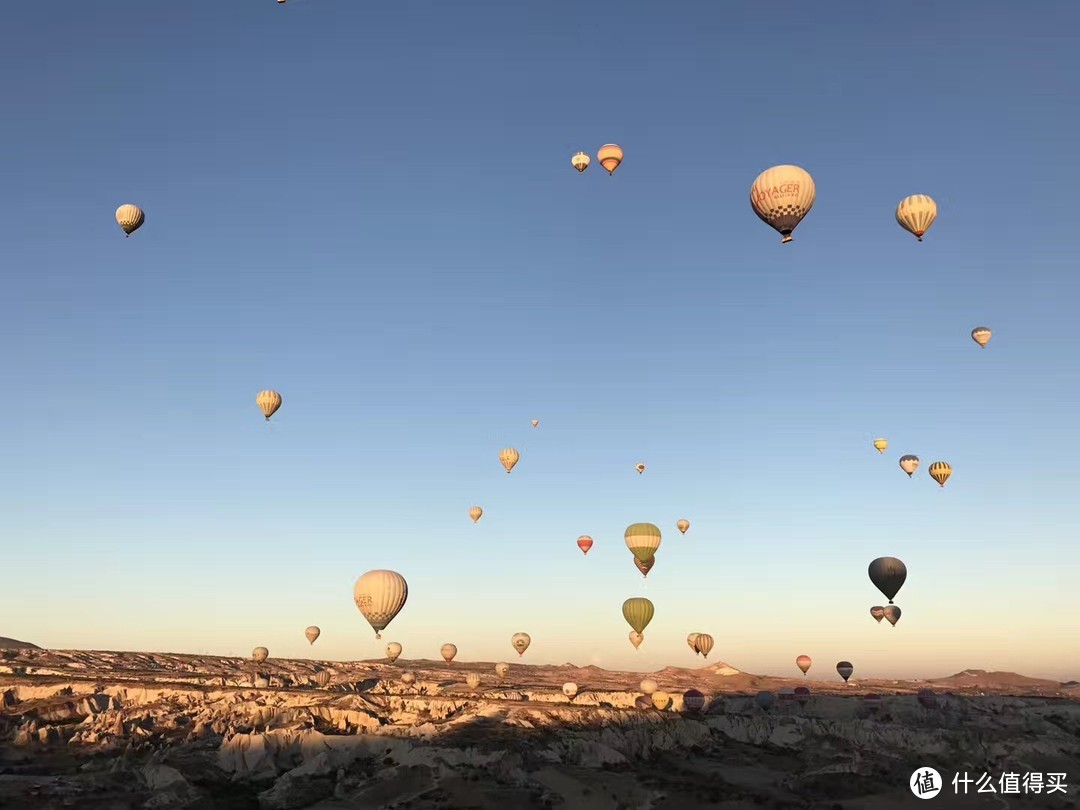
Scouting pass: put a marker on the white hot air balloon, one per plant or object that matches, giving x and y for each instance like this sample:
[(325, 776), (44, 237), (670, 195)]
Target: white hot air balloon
[(130, 218), (379, 596), (312, 633), (448, 651), (781, 197), (393, 650), (570, 689), (915, 214), (521, 642)]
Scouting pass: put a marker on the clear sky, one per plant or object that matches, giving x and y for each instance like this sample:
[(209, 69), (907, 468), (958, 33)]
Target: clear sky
[(370, 208)]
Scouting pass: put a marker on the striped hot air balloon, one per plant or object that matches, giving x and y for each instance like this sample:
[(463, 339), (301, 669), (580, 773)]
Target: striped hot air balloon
[(781, 197), (940, 471), (916, 214)]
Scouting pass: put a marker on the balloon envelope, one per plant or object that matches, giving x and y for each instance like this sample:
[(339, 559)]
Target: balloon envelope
[(521, 642), (661, 700), (268, 402), (693, 700), (638, 612), (803, 662), (610, 156), (393, 650), (892, 614), (130, 218), (916, 214), (683, 525), (648, 686), (844, 668), (888, 575), (379, 596), (981, 335), (260, 654), (704, 644), (508, 457), (781, 196), (878, 612), (643, 539), (312, 633), (940, 471), (909, 464), (475, 513), (448, 651), (569, 689), (765, 699), (584, 543)]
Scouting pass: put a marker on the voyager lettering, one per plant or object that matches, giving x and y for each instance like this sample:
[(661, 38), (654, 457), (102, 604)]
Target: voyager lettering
[(783, 190)]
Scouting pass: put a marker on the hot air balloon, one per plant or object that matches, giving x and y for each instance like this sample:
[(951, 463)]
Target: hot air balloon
[(888, 575), (765, 699), (380, 595), (638, 612), (872, 702), (643, 702), (636, 639), (502, 669), (881, 445), (693, 700), (473, 680), (448, 651), (646, 566), (322, 678), (803, 662), (393, 650), (643, 539), (268, 402), (802, 694), (584, 543), (892, 614), (475, 513), (130, 218), (878, 612), (661, 700), (981, 335), (610, 156), (683, 525), (569, 689), (916, 214), (580, 161), (704, 644), (535, 422), (781, 197), (508, 457), (521, 642), (260, 654), (909, 464), (844, 669), (940, 471), (639, 467), (408, 678), (648, 686), (312, 633), (691, 641)]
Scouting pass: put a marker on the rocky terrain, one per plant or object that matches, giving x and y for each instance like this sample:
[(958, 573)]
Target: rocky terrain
[(146, 730)]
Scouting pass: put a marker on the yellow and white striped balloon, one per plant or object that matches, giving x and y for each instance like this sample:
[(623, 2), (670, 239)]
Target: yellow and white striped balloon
[(916, 214), (268, 402), (379, 596), (130, 218)]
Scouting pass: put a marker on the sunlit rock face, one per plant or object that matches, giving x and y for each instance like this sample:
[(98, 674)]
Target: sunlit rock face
[(202, 731)]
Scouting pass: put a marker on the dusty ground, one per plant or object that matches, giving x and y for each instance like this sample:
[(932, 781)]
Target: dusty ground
[(99, 730)]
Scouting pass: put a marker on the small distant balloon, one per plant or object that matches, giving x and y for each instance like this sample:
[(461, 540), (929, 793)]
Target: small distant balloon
[(393, 650), (312, 633), (645, 566), (639, 467), (691, 641), (648, 686), (844, 669), (610, 156), (916, 214), (448, 651), (260, 654), (322, 678), (909, 464), (940, 471), (636, 638), (704, 644), (892, 614), (508, 457), (683, 525), (878, 612), (765, 699), (521, 642), (473, 680), (268, 402), (802, 694), (638, 612), (661, 700), (408, 678), (502, 669), (803, 662), (130, 218), (693, 700), (580, 161), (475, 513), (535, 422), (570, 689), (881, 445), (584, 543), (981, 335)]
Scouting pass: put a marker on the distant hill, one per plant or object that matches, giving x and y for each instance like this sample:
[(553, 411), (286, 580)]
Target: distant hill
[(980, 678), (12, 644)]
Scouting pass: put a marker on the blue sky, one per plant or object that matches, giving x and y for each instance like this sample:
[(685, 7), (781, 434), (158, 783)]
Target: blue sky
[(370, 208)]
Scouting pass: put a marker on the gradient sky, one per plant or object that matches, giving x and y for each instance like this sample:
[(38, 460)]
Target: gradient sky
[(370, 208)]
